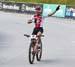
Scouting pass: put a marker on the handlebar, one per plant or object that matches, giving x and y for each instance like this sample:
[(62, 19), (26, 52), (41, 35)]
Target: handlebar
[(33, 35)]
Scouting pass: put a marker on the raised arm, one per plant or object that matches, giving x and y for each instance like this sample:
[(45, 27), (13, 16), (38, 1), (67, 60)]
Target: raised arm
[(54, 11)]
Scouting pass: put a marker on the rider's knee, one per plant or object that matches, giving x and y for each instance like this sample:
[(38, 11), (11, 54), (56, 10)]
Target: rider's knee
[(39, 34)]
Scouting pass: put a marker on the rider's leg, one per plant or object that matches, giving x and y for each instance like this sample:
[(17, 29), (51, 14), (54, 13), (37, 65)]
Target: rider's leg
[(38, 42), (39, 34)]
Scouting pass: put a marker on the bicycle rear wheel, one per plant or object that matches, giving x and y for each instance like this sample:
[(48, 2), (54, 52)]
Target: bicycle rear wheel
[(31, 54), (39, 53)]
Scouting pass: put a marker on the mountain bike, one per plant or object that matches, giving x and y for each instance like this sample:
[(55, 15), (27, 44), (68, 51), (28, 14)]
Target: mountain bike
[(35, 48)]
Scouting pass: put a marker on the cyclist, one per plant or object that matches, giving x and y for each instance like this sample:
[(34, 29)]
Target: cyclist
[(37, 19)]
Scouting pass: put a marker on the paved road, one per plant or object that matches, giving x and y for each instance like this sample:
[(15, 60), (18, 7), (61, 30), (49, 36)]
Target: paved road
[(58, 43)]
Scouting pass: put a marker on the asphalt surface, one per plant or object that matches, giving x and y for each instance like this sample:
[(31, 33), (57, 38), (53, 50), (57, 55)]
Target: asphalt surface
[(58, 43)]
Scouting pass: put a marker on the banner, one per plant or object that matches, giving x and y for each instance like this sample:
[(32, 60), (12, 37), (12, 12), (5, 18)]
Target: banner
[(29, 7), (19, 7), (70, 11), (1, 6), (74, 14), (49, 8), (10, 6)]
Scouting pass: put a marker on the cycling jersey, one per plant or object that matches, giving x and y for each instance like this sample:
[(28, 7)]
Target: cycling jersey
[(38, 20)]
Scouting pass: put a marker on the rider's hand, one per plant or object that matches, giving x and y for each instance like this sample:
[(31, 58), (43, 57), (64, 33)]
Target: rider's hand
[(58, 8), (29, 21)]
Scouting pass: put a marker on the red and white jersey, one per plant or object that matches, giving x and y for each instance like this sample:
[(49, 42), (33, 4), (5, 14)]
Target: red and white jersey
[(38, 20)]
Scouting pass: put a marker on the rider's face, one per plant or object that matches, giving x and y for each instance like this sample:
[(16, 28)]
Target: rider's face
[(38, 11)]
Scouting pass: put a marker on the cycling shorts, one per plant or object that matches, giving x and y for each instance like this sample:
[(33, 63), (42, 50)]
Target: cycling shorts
[(36, 30)]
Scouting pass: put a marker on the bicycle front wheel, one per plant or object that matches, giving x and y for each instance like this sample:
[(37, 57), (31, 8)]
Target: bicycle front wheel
[(31, 54)]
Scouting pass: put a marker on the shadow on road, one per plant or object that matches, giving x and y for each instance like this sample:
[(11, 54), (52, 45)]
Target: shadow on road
[(51, 61)]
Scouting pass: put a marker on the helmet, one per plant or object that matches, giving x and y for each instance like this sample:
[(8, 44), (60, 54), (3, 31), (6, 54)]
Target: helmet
[(38, 8)]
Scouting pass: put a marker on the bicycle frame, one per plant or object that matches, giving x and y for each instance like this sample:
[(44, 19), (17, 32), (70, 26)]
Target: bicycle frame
[(34, 40), (33, 48)]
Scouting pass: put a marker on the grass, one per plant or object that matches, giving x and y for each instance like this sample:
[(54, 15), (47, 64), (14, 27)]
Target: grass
[(66, 2)]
